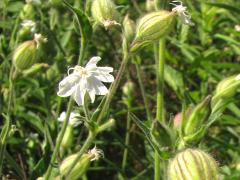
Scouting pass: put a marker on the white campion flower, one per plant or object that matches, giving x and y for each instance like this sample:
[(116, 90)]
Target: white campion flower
[(29, 24), (96, 153), (182, 12), (86, 79), (73, 118)]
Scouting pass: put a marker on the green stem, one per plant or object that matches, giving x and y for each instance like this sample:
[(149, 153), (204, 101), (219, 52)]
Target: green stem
[(142, 88), (160, 100), (59, 139), (127, 138), (113, 87), (84, 148), (82, 51)]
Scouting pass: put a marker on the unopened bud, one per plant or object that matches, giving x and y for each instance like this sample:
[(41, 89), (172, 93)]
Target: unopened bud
[(128, 29), (35, 69), (81, 166), (198, 117), (67, 138), (25, 55), (152, 27), (27, 11), (105, 13), (128, 88), (227, 88), (193, 164)]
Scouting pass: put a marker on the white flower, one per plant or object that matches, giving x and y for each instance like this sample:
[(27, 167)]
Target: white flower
[(182, 12), (95, 153), (38, 38), (73, 118), (86, 79), (29, 24)]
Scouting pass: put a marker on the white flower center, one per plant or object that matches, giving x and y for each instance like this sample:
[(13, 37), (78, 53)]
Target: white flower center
[(80, 70)]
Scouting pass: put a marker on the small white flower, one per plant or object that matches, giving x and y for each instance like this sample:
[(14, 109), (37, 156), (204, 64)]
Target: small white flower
[(35, 2), (38, 38), (29, 24), (73, 118), (95, 153), (182, 12), (86, 79), (108, 23)]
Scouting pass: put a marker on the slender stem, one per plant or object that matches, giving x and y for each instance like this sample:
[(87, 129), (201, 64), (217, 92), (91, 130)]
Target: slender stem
[(127, 138), (160, 100), (85, 146), (59, 139), (142, 88), (82, 51), (113, 87)]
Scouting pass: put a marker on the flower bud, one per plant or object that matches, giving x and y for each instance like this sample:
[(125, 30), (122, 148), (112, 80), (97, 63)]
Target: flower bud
[(128, 29), (152, 27), (35, 69), (67, 138), (192, 164), (25, 55), (105, 13), (81, 166), (128, 88), (198, 116), (227, 88)]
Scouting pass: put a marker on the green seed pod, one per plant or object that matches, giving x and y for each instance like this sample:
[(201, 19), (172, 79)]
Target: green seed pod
[(198, 116), (104, 12), (25, 55), (192, 164), (152, 27), (128, 88), (128, 29)]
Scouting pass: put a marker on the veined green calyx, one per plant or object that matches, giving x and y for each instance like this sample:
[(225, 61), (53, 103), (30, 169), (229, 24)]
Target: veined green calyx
[(81, 166), (25, 54), (105, 13), (152, 27), (192, 164)]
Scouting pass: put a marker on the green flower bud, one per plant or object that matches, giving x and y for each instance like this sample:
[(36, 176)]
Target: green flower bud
[(192, 164), (152, 27), (25, 55), (81, 166), (67, 140), (105, 13), (128, 29), (128, 88), (198, 116), (227, 88)]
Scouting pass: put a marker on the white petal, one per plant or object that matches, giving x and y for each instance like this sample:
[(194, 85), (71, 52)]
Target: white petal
[(93, 61), (68, 85), (97, 85), (105, 69), (79, 96), (105, 77), (92, 95)]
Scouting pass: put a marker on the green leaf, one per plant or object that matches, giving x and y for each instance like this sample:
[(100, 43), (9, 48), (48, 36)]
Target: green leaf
[(83, 21), (146, 131), (226, 6)]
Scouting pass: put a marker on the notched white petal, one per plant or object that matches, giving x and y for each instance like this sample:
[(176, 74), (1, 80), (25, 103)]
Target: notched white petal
[(93, 61), (68, 85)]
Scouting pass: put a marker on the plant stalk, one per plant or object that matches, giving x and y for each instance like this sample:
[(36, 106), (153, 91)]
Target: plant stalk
[(160, 100)]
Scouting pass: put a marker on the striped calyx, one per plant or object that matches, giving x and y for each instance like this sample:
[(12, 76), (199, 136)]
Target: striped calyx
[(192, 164), (25, 55)]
